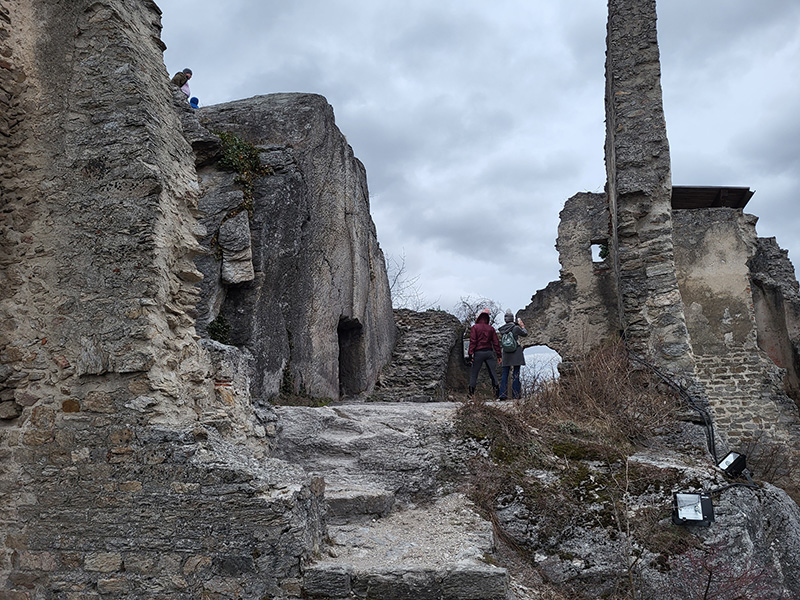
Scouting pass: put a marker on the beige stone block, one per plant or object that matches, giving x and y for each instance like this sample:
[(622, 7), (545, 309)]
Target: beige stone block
[(99, 402), (114, 585), (180, 487), (140, 564), (194, 564), (130, 486), (37, 561), (104, 562)]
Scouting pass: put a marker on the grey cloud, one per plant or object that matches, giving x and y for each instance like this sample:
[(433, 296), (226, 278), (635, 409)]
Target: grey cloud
[(461, 108)]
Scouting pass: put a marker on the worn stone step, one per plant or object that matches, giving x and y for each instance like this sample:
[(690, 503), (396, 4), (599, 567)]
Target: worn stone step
[(402, 448), (456, 582), (354, 504), (437, 552)]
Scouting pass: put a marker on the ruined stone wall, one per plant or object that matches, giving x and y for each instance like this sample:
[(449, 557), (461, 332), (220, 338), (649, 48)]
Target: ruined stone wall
[(577, 312), (714, 249), (110, 482), (428, 359), (776, 300), (639, 189)]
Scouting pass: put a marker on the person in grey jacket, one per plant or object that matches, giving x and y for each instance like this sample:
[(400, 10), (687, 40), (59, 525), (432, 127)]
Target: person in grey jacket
[(512, 361)]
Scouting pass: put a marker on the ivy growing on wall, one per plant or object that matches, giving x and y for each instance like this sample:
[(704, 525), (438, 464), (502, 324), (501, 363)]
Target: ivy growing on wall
[(242, 157)]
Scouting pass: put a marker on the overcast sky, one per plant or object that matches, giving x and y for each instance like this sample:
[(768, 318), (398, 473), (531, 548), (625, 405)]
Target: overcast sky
[(477, 120)]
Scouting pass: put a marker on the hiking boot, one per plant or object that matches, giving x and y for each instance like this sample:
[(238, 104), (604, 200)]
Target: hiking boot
[(471, 391)]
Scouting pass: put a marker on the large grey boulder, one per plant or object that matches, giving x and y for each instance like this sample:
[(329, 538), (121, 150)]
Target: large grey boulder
[(315, 311)]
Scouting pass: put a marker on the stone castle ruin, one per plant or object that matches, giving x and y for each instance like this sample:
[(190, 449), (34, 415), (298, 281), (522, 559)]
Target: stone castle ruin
[(686, 282), (141, 456)]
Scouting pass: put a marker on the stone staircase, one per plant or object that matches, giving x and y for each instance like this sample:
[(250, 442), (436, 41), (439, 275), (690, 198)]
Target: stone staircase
[(398, 528)]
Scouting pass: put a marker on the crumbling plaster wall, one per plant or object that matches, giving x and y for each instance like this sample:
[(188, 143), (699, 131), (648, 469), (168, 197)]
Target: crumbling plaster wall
[(714, 249)]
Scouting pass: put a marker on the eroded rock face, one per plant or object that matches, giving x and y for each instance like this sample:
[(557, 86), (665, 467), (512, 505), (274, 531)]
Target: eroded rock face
[(308, 296)]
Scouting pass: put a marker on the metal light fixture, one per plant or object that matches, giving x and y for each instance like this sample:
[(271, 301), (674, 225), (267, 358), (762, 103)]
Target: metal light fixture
[(692, 509), (733, 464)]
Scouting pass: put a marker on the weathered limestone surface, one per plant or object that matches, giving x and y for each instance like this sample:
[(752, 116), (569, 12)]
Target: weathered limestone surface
[(579, 311), (639, 189), (398, 529), (427, 361), (115, 480), (309, 296)]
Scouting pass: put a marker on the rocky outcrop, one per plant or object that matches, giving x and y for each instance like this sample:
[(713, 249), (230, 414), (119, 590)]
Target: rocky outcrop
[(427, 361), (622, 538), (293, 264)]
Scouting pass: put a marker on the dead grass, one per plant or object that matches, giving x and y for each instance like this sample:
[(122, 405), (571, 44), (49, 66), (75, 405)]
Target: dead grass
[(603, 395), (580, 428)]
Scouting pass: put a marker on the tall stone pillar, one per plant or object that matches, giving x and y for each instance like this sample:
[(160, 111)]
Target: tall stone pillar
[(640, 188)]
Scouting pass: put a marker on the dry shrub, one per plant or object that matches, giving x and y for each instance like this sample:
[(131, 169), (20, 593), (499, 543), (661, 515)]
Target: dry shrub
[(604, 394), (598, 411), (772, 461)]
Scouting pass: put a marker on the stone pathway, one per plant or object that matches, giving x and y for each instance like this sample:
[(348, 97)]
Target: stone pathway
[(398, 528)]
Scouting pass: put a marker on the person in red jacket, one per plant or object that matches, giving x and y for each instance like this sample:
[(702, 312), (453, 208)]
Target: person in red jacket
[(484, 347)]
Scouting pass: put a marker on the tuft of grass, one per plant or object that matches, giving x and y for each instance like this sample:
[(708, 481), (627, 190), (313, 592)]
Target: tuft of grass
[(219, 330), (243, 158)]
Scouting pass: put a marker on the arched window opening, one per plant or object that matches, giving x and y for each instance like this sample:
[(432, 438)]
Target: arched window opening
[(541, 364)]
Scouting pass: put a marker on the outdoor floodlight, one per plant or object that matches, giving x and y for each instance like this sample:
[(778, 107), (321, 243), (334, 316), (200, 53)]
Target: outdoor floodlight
[(692, 509), (733, 464)]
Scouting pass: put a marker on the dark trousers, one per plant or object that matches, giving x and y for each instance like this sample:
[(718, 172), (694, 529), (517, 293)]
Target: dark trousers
[(516, 384), (480, 357)]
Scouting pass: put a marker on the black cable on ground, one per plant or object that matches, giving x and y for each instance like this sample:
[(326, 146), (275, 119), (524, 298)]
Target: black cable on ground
[(691, 402)]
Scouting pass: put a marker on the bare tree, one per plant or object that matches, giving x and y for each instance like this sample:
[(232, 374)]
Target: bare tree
[(405, 289), (469, 307)]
